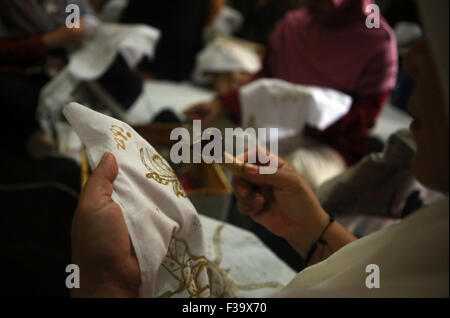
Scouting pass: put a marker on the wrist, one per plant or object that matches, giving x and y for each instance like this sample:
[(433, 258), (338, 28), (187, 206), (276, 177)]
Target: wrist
[(304, 234)]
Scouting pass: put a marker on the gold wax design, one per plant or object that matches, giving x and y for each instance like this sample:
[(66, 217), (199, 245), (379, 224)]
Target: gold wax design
[(232, 286), (161, 172), (120, 136), (186, 268)]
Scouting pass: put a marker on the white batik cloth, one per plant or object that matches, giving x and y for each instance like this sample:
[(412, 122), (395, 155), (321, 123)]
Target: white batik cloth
[(160, 219), (240, 265), (273, 103), (105, 41), (225, 56), (178, 257), (77, 80)]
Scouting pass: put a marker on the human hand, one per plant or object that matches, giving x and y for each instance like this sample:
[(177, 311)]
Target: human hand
[(206, 112), (63, 37), (282, 202), (227, 82), (101, 245)]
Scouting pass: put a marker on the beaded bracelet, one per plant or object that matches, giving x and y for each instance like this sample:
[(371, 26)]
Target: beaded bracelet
[(321, 240)]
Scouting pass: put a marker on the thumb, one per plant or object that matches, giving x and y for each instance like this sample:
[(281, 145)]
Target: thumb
[(280, 179), (100, 183), (107, 168)]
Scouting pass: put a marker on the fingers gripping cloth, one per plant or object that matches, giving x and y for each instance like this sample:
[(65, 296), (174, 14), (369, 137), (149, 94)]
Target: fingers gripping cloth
[(163, 225)]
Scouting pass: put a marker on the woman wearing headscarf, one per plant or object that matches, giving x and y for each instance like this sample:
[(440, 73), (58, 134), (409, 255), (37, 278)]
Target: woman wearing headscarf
[(327, 44), (33, 36)]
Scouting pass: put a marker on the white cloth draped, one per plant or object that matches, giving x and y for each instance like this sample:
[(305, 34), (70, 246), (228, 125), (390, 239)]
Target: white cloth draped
[(105, 41), (273, 103), (412, 257), (225, 56)]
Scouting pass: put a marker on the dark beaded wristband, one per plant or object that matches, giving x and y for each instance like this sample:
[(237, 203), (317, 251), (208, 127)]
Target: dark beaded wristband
[(313, 248)]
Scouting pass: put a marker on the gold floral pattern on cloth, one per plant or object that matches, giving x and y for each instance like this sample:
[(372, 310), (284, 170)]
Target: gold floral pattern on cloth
[(120, 136), (187, 269), (161, 172), (227, 287)]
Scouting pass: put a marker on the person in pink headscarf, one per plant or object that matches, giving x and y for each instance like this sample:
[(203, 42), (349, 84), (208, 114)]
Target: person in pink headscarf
[(328, 44)]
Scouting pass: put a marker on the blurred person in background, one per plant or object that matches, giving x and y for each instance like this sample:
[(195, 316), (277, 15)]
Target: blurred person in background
[(39, 192), (33, 42), (257, 19), (326, 44)]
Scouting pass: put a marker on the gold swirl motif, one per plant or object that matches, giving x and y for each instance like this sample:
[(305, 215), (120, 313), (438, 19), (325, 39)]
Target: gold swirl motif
[(161, 172), (120, 136), (230, 287), (186, 268)]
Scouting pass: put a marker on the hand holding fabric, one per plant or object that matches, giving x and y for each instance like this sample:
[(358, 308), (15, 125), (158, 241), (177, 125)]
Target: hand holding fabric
[(101, 245)]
